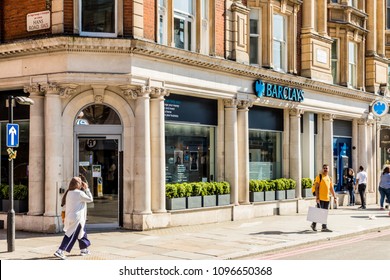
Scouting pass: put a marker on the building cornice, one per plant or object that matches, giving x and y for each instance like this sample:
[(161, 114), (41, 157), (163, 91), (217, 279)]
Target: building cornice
[(161, 52)]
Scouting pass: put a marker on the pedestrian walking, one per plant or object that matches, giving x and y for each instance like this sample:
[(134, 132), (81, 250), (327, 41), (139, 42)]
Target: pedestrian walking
[(350, 184), (361, 183), (75, 199), (323, 188), (384, 187)]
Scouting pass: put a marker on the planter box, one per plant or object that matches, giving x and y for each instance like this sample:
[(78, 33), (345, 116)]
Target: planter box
[(194, 202), (290, 194), (269, 195), (307, 193), (223, 199), (280, 195), (176, 203), (256, 196), (20, 206), (209, 200)]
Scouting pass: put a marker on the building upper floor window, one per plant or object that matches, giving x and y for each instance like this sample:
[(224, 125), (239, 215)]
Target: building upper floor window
[(162, 22), (98, 18), (279, 43), (335, 61), (353, 3), (352, 64), (184, 25), (255, 38)]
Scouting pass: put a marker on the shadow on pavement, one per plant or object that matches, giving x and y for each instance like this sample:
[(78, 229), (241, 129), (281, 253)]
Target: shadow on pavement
[(277, 232)]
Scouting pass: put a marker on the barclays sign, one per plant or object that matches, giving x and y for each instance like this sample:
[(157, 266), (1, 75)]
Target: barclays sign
[(277, 91)]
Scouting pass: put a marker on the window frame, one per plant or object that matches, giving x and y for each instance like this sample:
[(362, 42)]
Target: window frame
[(98, 34), (257, 35), (162, 37), (352, 65), (282, 42), (335, 60), (188, 18)]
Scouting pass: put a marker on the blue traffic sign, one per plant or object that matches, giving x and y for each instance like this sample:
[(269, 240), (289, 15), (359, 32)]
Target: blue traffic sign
[(12, 135)]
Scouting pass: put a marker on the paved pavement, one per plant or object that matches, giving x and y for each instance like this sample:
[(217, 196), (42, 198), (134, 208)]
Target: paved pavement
[(228, 240)]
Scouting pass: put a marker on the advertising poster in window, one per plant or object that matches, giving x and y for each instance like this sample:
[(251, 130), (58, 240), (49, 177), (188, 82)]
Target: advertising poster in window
[(194, 161)]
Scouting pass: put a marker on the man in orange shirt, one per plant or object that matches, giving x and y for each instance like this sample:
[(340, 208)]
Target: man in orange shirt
[(323, 186)]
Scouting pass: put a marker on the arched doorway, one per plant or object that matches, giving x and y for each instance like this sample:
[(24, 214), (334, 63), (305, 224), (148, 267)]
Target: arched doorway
[(98, 148)]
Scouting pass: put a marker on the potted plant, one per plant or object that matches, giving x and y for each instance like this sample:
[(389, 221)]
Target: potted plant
[(175, 197), (306, 187), (195, 191), (20, 198), (256, 190), (280, 186), (269, 190), (3, 196), (290, 188), (223, 193), (210, 196)]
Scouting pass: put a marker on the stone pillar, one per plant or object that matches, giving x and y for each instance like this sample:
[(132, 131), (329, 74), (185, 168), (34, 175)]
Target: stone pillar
[(57, 16), (157, 139), (371, 25), (328, 143), (220, 143), (370, 168), (355, 137), (286, 144), (295, 150), (319, 148), (138, 18), (231, 148), (239, 31), (243, 151), (308, 16), (308, 146), (142, 172), (53, 149), (362, 146), (36, 165), (381, 27), (322, 17)]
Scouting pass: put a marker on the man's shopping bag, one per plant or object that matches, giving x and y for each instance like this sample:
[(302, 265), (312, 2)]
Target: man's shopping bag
[(317, 215)]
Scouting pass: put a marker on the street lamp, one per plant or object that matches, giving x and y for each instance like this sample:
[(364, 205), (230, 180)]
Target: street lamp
[(11, 212)]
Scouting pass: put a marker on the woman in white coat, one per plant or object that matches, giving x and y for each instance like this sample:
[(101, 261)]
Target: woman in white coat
[(75, 199)]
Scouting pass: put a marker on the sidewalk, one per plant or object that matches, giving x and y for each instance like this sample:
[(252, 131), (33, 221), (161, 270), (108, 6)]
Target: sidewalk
[(228, 240)]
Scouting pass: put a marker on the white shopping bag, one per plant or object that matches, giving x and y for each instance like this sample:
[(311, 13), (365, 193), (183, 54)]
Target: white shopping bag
[(317, 215)]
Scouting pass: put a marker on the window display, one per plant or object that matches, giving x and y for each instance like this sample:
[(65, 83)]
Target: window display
[(265, 155), (189, 153)]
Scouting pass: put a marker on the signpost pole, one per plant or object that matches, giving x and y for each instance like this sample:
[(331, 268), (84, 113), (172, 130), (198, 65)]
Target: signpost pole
[(11, 211)]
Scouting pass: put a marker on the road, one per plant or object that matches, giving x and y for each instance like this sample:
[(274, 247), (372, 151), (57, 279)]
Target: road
[(370, 246)]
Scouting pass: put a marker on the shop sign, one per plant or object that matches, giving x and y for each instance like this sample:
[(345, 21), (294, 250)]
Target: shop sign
[(380, 108), (38, 21), (263, 89)]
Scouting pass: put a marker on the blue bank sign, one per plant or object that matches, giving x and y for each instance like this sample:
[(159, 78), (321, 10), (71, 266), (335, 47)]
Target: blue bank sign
[(277, 91)]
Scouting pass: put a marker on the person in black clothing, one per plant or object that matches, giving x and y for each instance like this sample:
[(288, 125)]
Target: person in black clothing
[(350, 184)]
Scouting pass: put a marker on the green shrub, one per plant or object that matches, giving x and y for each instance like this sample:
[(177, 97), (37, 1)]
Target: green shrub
[(4, 191), (196, 189), (271, 185), (20, 192), (280, 184), (306, 183)]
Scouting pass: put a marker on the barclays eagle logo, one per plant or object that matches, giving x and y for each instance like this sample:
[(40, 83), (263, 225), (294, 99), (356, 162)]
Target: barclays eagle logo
[(379, 108), (259, 88)]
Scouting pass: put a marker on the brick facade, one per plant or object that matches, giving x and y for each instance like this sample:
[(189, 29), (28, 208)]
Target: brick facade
[(150, 20), (220, 28), (15, 19), (68, 16)]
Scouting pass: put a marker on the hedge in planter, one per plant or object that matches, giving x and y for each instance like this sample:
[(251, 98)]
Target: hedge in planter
[(256, 190), (223, 193), (176, 196), (306, 187), (20, 198)]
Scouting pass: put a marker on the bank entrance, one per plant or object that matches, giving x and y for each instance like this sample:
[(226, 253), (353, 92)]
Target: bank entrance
[(98, 146)]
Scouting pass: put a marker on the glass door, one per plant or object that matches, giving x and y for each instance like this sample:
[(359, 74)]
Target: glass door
[(97, 161)]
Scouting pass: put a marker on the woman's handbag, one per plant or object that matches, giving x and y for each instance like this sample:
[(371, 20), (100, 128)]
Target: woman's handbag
[(317, 215), (63, 216)]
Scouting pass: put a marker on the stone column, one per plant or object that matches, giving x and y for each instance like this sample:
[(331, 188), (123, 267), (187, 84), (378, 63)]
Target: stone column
[(142, 172), (308, 146), (308, 16), (36, 165), (319, 148), (243, 151), (355, 137), (220, 143), (286, 144), (362, 145), (231, 148), (328, 143), (295, 150), (53, 149), (370, 168), (157, 140), (371, 25), (381, 27), (322, 17)]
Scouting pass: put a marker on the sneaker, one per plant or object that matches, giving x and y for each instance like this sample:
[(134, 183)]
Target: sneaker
[(381, 208), (313, 227), (84, 252), (326, 230), (60, 254)]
